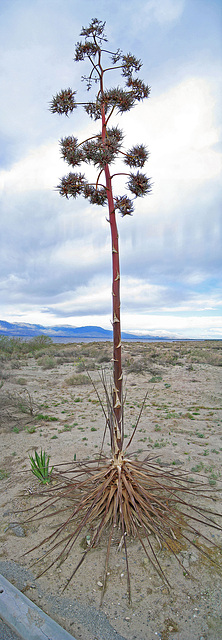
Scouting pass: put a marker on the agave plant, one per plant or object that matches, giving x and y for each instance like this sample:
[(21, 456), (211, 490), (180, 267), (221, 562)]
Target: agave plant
[(40, 467), (116, 495)]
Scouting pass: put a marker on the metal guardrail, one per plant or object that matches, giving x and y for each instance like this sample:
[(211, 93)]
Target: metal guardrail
[(25, 618)]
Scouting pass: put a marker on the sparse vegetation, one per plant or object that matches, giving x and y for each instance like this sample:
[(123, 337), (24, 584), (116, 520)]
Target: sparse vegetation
[(77, 380)]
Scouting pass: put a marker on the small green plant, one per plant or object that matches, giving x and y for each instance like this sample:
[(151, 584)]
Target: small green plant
[(155, 379), (40, 467), (41, 416), (3, 474), (197, 468), (31, 429)]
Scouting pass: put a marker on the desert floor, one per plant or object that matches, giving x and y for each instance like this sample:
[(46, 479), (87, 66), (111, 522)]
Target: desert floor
[(47, 402)]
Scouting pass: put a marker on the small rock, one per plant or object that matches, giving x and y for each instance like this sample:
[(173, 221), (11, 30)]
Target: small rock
[(193, 557), (186, 563), (17, 529), (100, 584)]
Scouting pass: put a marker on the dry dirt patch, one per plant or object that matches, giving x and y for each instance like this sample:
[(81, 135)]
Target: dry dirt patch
[(46, 403)]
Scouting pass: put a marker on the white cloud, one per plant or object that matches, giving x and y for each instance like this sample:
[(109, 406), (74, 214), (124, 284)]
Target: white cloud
[(164, 11), (179, 128), (38, 170), (56, 254), (179, 326)]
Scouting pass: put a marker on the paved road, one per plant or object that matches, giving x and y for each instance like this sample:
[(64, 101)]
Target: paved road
[(6, 633)]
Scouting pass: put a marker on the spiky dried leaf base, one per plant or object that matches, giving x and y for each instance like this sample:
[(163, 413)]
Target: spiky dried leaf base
[(134, 498)]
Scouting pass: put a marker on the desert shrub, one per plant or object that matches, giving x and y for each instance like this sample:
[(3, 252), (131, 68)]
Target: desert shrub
[(104, 358), (10, 345), (17, 347), (65, 355), (91, 350), (4, 375), (91, 365), (86, 352), (81, 366), (21, 381), (85, 366), (42, 352), (77, 380), (47, 362), (39, 342), (209, 357), (15, 364), (137, 366), (153, 355), (22, 402)]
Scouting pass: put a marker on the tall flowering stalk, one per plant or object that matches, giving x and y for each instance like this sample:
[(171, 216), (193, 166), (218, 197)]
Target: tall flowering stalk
[(102, 151), (139, 498)]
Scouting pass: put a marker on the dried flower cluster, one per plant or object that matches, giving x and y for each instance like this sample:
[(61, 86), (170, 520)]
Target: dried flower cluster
[(105, 148), (63, 102)]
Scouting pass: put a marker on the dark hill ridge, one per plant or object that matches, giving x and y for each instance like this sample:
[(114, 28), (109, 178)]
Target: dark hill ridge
[(25, 330)]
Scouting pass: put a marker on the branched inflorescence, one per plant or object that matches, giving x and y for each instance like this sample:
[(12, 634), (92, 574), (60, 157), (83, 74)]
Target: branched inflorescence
[(105, 148), (102, 151)]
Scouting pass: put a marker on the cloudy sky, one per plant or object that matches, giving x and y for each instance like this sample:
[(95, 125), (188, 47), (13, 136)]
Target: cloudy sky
[(54, 253)]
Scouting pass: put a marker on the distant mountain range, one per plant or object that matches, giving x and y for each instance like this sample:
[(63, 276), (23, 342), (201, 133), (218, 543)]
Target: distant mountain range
[(25, 330)]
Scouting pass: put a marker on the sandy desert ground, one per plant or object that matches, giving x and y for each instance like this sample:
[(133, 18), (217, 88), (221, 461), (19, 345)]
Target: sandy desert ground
[(47, 402)]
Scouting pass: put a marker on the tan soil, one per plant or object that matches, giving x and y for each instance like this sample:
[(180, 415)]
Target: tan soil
[(181, 424)]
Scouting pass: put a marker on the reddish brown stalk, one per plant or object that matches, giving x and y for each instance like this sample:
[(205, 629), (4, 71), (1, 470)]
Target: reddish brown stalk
[(117, 365)]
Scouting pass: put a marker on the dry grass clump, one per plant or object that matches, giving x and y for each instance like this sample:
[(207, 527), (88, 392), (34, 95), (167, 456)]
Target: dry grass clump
[(13, 406), (139, 364), (104, 357), (68, 354), (47, 362), (96, 351), (77, 379), (15, 363)]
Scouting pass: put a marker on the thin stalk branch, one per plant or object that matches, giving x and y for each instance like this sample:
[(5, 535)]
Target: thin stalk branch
[(97, 182), (86, 140), (119, 174), (110, 114)]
